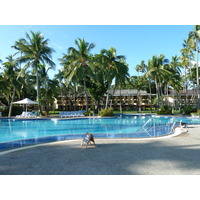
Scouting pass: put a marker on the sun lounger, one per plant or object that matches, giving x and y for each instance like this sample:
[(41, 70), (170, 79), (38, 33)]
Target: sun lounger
[(31, 115), (81, 113), (22, 115), (193, 115), (65, 114), (27, 115)]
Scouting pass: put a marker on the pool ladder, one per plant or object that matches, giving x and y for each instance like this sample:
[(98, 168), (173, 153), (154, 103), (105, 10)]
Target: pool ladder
[(146, 130), (152, 129)]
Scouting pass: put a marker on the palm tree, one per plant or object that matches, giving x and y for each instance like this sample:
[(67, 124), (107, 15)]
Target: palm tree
[(10, 76), (35, 51), (193, 41), (186, 57), (157, 70), (121, 76), (114, 66), (46, 82), (76, 63), (144, 68)]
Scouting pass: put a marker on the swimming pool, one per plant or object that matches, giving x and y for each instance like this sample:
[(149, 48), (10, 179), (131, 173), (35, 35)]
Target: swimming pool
[(20, 132)]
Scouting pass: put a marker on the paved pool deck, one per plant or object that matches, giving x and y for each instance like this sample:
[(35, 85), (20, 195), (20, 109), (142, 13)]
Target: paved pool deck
[(178, 155)]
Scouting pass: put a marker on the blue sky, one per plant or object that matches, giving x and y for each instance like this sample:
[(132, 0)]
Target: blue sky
[(135, 42)]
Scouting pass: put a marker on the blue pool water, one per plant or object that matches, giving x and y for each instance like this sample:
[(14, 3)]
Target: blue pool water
[(20, 132)]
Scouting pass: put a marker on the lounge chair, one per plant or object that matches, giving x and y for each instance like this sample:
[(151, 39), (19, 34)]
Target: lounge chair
[(194, 115), (81, 113), (64, 114), (31, 115), (61, 114), (72, 113), (27, 115), (22, 115)]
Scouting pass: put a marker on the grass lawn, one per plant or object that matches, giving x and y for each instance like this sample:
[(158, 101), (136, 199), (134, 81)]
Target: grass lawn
[(56, 113), (134, 111)]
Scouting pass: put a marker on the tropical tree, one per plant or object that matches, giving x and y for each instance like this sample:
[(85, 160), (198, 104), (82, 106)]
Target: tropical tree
[(174, 79), (121, 77), (34, 52), (98, 83), (62, 88), (115, 68), (48, 86), (76, 63), (139, 83), (144, 69), (157, 70), (10, 80), (193, 42), (186, 57)]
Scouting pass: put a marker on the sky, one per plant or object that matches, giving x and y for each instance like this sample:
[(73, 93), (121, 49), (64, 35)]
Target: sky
[(135, 42)]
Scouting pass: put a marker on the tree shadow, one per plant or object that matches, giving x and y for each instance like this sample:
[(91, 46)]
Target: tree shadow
[(118, 158)]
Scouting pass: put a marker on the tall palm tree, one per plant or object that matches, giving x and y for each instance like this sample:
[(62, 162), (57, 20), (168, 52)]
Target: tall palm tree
[(157, 70), (43, 73), (121, 76), (35, 51), (144, 68), (173, 79), (76, 63), (10, 76), (193, 41), (186, 56), (114, 66)]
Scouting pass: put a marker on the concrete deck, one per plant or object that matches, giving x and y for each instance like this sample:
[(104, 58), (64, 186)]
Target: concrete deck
[(170, 156)]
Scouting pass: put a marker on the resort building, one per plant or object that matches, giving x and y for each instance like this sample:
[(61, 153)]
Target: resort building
[(183, 97), (130, 99)]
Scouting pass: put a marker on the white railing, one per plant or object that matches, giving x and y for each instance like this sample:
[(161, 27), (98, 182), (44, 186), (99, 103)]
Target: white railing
[(153, 129)]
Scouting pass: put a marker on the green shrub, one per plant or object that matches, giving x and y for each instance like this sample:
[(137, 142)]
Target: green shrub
[(16, 110), (187, 110), (165, 110), (106, 112), (89, 112), (196, 113)]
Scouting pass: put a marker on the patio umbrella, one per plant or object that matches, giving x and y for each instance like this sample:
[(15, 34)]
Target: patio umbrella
[(25, 101)]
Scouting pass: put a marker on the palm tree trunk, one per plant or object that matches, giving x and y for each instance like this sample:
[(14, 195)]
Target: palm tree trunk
[(157, 92), (150, 95), (120, 94), (197, 67), (74, 98), (38, 94), (138, 100), (46, 98), (185, 87), (197, 72), (86, 95), (107, 97), (11, 103)]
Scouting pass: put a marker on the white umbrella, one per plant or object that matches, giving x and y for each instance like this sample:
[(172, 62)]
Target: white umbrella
[(26, 101)]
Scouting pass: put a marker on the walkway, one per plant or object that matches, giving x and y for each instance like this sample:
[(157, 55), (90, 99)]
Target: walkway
[(177, 155)]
